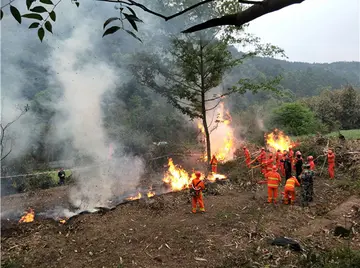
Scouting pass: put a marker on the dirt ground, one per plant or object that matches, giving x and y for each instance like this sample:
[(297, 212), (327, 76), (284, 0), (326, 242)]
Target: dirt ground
[(161, 232)]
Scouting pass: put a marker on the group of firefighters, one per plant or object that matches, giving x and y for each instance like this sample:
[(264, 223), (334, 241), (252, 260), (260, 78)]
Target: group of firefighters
[(286, 162)]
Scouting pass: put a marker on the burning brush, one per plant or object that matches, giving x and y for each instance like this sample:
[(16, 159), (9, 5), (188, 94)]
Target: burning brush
[(29, 216), (277, 140)]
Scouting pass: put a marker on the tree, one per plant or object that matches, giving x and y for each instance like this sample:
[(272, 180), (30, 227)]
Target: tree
[(6, 144), (295, 119), (193, 67), (349, 101), (46, 7)]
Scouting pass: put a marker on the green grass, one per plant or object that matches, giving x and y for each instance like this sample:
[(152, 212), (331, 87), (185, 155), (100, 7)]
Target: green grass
[(54, 174), (350, 134)]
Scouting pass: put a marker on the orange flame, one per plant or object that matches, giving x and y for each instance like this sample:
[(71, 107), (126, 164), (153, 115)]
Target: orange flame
[(136, 197), (62, 221), (222, 136), (150, 194), (277, 140), (29, 216), (176, 177), (213, 176)]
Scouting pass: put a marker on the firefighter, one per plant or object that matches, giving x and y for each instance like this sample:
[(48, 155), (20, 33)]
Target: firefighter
[(278, 157), (61, 175), (331, 163), (247, 156), (273, 179), (307, 184), (196, 187), (262, 160), (213, 164), (289, 190), (298, 164), (287, 166), (310, 160), (291, 155), (282, 159), (269, 162)]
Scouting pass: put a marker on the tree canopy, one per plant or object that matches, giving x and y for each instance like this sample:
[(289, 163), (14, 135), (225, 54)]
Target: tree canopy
[(43, 14)]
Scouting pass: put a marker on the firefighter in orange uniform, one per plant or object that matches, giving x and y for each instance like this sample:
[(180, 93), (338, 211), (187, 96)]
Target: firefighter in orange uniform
[(278, 157), (213, 164), (289, 192), (273, 180), (311, 162), (331, 163), (291, 156), (247, 156), (196, 187), (262, 160), (270, 162)]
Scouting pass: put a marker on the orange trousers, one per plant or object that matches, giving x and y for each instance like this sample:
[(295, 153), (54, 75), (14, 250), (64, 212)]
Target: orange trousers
[(272, 194), (214, 168), (248, 161), (195, 200), (331, 169), (289, 192)]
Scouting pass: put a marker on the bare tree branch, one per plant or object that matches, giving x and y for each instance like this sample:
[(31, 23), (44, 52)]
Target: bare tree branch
[(3, 129), (212, 108), (219, 97), (166, 18), (251, 2), (239, 19)]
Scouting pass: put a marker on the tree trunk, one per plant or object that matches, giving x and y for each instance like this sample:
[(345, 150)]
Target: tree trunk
[(203, 106)]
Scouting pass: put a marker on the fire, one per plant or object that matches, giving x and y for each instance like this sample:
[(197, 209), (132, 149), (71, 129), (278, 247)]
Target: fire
[(28, 216), (213, 176), (150, 194), (277, 140), (222, 135), (62, 221), (136, 197), (176, 177)]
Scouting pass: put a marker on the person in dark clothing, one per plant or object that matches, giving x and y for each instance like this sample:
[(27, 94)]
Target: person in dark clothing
[(287, 167), (61, 175), (307, 185), (298, 165)]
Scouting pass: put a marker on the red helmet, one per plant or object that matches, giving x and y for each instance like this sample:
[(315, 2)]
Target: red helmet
[(244, 147), (274, 168), (310, 157), (198, 174), (298, 153), (330, 151), (262, 149)]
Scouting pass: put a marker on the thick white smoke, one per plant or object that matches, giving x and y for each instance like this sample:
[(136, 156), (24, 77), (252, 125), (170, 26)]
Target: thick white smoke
[(85, 79)]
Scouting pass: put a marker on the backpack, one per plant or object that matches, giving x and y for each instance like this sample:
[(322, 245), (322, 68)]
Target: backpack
[(194, 192)]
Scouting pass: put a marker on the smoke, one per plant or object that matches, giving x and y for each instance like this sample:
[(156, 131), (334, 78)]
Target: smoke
[(85, 78)]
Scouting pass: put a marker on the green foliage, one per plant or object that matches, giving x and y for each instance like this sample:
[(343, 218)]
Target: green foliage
[(340, 257), (131, 18), (339, 109), (295, 119), (10, 263)]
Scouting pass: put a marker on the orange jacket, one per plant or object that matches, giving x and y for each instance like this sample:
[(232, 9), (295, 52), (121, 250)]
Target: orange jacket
[(247, 153), (262, 157), (269, 163), (273, 179), (331, 158), (312, 165), (278, 157), (213, 161), (197, 184), (291, 182)]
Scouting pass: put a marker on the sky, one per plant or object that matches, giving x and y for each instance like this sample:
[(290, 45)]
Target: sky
[(314, 31)]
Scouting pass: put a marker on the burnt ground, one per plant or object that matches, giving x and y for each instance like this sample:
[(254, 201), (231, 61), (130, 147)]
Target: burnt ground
[(161, 232)]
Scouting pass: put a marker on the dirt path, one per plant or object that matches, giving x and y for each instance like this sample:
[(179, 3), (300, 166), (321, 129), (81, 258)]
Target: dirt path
[(163, 233)]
